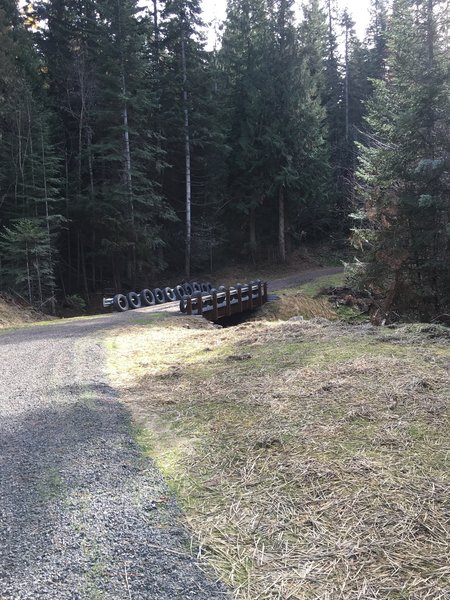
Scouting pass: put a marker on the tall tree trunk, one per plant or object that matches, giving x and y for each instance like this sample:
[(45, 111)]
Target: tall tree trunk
[(187, 148), (47, 220), (252, 227), (156, 39), (127, 151), (128, 176), (30, 297), (346, 85), (126, 147), (83, 266), (69, 249), (281, 224), (91, 193)]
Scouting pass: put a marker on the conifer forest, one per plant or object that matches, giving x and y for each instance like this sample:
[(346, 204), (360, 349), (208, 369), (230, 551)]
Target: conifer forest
[(130, 151)]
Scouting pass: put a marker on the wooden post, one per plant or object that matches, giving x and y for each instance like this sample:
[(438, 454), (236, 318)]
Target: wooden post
[(239, 299), (215, 314), (250, 296), (265, 292), (228, 302), (199, 305), (260, 298), (189, 305)]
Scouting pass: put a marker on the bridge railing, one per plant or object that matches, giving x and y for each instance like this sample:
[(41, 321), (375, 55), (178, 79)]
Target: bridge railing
[(225, 301)]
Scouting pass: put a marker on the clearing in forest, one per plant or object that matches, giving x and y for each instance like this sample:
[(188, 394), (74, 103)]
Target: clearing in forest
[(310, 457)]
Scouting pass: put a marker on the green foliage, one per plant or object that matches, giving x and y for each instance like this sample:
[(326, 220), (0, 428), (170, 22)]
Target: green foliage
[(93, 103), (404, 166), (27, 264)]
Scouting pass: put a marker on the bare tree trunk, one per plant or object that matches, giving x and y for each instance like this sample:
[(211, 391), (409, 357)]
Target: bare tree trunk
[(83, 266), (346, 85), (187, 146), (253, 233), (128, 176), (281, 224), (91, 192), (69, 249), (38, 271), (30, 297), (127, 151), (156, 27), (47, 220)]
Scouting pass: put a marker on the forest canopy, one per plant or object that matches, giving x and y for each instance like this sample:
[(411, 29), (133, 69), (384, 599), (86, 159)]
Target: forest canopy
[(129, 151)]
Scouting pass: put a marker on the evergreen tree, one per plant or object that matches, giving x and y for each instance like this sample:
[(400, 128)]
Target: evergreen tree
[(98, 66), (192, 126), (404, 166), (29, 179), (245, 60)]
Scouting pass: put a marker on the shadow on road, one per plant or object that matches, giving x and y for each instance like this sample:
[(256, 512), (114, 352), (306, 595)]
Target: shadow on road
[(82, 512)]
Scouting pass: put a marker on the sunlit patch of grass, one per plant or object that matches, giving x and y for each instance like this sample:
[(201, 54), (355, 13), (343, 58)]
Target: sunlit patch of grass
[(303, 301), (313, 288), (310, 457)]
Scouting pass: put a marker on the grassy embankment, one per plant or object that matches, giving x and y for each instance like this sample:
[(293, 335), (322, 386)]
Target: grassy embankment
[(311, 457)]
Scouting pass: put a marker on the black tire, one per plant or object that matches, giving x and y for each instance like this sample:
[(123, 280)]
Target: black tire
[(147, 298), (120, 303), (183, 304), (179, 292), (188, 289), (207, 300), (133, 300), (196, 286), (159, 296), (222, 288), (169, 294), (205, 287)]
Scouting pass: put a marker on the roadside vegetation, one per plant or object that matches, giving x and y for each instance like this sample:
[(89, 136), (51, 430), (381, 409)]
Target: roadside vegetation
[(310, 456), (14, 313)]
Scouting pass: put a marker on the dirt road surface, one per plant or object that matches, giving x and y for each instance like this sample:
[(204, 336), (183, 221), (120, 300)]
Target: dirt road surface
[(83, 515)]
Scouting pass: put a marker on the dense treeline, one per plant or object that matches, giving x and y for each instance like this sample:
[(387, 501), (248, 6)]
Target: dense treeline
[(127, 149)]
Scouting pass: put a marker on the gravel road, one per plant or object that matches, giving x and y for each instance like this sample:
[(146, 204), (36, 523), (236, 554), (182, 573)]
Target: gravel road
[(82, 513)]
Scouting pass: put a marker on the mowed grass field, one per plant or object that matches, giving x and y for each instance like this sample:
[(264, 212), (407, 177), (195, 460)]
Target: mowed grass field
[(311, 457)]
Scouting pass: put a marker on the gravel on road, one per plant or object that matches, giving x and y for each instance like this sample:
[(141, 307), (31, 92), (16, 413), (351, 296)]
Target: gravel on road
[(83, 515)]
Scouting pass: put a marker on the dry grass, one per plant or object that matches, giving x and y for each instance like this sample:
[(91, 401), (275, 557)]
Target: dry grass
[(311, 458), (13, 314), (291, 305)]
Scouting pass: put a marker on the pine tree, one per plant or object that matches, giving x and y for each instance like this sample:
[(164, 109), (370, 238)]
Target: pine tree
[(245, 60), (99, 71), (191, 125), (30, 180), (404, 166)]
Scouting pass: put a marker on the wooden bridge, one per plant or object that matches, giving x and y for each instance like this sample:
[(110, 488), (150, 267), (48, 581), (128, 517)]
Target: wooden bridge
[(225, 302)]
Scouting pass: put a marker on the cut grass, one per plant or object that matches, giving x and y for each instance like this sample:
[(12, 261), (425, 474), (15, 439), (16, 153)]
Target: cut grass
[(311, 458)]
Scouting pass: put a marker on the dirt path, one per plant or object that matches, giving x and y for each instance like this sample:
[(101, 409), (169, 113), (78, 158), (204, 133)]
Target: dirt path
[(82, 514), (304, 277)]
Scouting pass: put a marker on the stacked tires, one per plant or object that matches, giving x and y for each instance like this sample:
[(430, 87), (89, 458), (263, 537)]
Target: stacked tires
[(147, 297)]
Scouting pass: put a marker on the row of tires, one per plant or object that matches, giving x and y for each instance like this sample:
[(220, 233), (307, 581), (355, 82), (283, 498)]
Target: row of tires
[(123, 302)]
